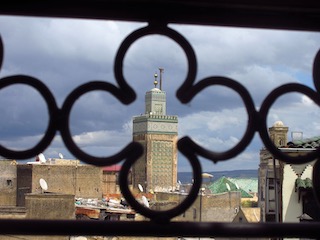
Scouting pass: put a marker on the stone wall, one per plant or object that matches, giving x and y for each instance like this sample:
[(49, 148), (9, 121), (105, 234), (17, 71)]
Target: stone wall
[(80, 180), (110, 183), (89, 181), (8, 183), (42, 206), (50, 206), (209, 207), (18, 179)]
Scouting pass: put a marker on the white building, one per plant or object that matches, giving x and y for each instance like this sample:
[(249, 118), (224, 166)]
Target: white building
[(285, 190)]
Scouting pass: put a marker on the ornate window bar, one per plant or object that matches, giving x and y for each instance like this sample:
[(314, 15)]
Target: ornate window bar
[(286, 15)]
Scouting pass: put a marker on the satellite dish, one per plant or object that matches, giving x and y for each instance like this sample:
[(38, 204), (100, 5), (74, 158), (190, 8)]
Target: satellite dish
[(207, 175), (43, 184), (145, 201), (42, 158), (60, 156), (228, 187), (140, 187), (179, 182), (237, 186)]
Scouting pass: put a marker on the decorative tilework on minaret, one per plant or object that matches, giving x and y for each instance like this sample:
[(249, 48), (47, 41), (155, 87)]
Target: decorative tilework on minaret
[(157, 132)]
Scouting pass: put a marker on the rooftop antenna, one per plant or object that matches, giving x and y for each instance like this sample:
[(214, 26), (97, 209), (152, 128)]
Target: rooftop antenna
[(161, 71)]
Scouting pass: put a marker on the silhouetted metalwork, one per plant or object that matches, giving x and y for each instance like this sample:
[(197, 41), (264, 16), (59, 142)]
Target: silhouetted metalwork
[(160, 223)]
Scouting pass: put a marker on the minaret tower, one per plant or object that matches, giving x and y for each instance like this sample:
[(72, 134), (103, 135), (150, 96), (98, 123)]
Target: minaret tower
[(279, 134), (156, 169)]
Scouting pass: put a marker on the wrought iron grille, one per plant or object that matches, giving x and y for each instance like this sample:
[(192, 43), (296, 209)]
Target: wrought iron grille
[(262, 14)]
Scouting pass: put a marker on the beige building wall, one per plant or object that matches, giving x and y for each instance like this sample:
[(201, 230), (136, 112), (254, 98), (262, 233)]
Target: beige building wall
[(50, 206), (8, 183), (43, 206), (291, 206), (210, 207), (109, 183), (79, 180), (73, 178)]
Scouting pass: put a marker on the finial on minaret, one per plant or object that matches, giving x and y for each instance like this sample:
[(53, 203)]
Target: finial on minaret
[(155, 80)]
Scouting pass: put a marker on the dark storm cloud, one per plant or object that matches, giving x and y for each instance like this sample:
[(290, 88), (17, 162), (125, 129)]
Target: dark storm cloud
[(67, 53), (64, 54), (23, 111)]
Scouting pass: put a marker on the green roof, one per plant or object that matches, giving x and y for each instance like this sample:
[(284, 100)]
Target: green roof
[(247, 184), (220, 186), (303, 183), (313, 142)]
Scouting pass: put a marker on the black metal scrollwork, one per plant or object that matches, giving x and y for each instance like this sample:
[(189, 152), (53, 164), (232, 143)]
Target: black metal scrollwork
[(257, 120), (52, 109)]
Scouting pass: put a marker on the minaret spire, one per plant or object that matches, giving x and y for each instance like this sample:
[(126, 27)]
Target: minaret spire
[(161, 71)]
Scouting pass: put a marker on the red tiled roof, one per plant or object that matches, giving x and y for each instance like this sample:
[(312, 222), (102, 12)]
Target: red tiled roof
[(112, 168)]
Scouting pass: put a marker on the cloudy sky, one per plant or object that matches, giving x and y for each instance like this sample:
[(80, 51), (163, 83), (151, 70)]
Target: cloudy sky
[(67, 53)]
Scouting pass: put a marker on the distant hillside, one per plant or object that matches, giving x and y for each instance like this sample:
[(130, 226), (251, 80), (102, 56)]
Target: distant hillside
[(186, 177)]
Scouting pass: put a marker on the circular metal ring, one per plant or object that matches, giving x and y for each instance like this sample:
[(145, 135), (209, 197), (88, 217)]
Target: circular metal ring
[(316, 181), (131, 149), (163, 30), (163, 216), (316, 71), (266, 105), (52, 109), (248, 102), (1, 52)]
